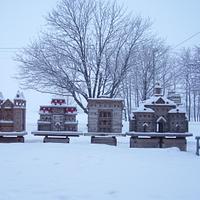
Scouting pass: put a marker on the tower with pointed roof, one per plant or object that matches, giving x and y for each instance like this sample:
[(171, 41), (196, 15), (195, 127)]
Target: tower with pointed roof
[(13, 113), (19, 111)]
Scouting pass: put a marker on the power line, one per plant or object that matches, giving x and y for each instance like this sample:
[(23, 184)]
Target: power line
[(189, 38), (10, 48)]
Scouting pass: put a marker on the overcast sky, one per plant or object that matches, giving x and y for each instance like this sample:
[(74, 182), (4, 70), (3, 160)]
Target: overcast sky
[(21, 21)]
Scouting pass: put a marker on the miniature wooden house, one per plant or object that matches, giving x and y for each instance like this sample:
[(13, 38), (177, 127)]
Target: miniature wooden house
[(57, 117), (13, 114), (159, 123), (105, 115), (159, 114)]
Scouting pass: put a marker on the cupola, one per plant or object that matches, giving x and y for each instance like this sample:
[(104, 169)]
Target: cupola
[(157, 89)]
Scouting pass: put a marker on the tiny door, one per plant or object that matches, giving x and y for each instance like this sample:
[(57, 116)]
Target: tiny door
[(58, 123)]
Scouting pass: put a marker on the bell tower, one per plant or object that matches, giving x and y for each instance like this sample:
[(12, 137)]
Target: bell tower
[(19, 112), (157, 89)]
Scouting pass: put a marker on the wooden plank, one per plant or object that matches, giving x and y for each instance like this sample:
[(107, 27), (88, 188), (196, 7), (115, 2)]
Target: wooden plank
[(174, 142), (56, 139), (104, 140), (13, 133), (144, 142), (57, 133), (18, 139), (156, 134), (104, 134)]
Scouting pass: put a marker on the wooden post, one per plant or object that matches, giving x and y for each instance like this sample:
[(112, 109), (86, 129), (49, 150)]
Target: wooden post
[(197, 150)]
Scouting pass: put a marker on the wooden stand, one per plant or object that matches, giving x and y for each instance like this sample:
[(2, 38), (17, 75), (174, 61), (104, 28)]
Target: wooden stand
[(174, 142), (197, 147), (16, 139), (12, 137), (104, 140), (57, 136), (56, 139), (158, 140), (136, 142)]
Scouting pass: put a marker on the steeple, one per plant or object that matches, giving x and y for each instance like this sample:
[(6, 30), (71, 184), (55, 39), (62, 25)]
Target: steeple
[(19, 100), (157, 89), (1, 98)]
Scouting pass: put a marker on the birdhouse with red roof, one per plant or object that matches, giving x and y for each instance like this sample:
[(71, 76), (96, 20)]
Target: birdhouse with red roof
[(58, 116)]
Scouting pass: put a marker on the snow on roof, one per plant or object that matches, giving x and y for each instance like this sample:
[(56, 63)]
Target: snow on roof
[(132, 116), (58, 105), (55, 97), (152, 101), (161, 118), (144, 109), (1, 96), (177, 110), (157, 85), (19, 95), (106, 99), (145, 124), (6, 122)]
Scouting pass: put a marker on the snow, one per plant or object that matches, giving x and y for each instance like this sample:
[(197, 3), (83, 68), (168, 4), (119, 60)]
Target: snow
[(58, 105), (161, 118), (13, 133), (152, 100), (144, 110), (6, 122), (56, 133), (80, 170), (71, 122), (7, 107), (177, 110), (156, 134), (106, 99), (44, 122)]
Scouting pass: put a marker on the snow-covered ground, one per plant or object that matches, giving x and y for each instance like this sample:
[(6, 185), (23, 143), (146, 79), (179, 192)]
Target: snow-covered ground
[(80, 170)]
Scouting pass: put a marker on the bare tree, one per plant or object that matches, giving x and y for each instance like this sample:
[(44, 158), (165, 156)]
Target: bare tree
[(85, 52), (149, 64), (189, 61)]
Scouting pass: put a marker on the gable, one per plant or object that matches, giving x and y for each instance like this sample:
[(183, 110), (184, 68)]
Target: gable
[(160, 101), (7, 104), (161, 119)]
